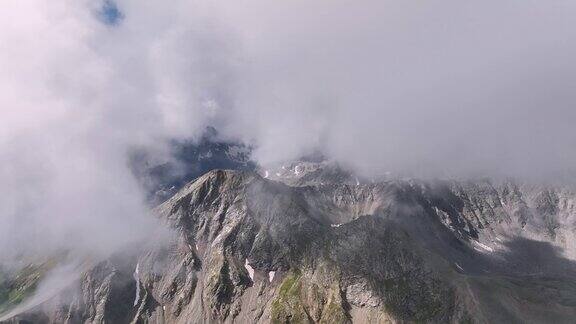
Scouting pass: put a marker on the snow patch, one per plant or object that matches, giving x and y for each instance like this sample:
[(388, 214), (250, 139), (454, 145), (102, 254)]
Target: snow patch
[(484, 247), (458, 266), (249, 269), (137, 278), (357, 182), (335, 225), (278, 174), (266, 174), (271, 275), (196, 246)]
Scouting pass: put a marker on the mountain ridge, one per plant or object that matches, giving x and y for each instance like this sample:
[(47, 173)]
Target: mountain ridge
[(249, 249)]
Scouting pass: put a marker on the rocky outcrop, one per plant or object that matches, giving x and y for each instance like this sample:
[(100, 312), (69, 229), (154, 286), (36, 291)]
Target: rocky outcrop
[(248, 249)]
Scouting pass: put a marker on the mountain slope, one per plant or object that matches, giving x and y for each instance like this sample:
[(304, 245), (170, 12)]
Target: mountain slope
[(247, 249)]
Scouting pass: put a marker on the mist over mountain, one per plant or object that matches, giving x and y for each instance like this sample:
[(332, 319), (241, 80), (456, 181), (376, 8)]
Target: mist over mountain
[(224, 161), (310, 242)]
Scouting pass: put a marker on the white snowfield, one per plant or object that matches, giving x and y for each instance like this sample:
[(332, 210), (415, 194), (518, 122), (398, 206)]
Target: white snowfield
[(458, 266), (137, 278), (249, 269), (271, 275), (266, 174), (482, 246)]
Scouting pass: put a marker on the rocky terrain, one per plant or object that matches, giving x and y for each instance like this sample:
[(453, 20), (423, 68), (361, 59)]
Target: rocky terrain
[(311, 243)]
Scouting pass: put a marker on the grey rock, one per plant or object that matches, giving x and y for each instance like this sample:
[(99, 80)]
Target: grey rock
[(341, 250)]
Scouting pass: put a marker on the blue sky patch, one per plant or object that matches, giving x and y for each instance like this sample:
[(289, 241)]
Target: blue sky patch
[(109, 13)]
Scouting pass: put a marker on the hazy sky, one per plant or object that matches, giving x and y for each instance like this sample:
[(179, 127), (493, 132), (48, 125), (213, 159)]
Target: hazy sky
[(434, 87)]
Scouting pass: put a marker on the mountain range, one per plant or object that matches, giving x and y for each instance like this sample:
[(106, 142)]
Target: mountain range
[(311, 242)]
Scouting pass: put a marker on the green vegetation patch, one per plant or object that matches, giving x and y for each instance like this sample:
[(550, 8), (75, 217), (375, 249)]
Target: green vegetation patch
[(288, 307), (333, 313), (16, 287), (301, 301)]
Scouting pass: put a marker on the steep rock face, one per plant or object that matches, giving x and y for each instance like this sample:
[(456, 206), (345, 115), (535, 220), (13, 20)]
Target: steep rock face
[(491, 212), (247, 249)]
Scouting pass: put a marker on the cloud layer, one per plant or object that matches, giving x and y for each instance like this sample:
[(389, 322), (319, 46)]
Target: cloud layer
[(446, 87), (442, 87)]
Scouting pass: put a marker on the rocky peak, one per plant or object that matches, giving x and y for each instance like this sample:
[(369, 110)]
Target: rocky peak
[(321, 246)]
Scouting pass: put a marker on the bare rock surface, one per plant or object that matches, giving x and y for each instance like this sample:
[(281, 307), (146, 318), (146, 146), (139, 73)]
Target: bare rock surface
[(341, 250)]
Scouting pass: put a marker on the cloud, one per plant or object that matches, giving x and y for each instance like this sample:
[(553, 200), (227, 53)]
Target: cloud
[(444, 87), (77, 95)]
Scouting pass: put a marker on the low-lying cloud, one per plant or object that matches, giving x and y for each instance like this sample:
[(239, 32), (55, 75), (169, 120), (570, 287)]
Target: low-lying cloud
[(443, 87)]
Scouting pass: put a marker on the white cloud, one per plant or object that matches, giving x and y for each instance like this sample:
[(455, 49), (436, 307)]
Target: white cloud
[(444, 86)]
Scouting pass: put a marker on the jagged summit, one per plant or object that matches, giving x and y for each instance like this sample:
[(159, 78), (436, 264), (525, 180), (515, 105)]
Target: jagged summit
[(315, 244)]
